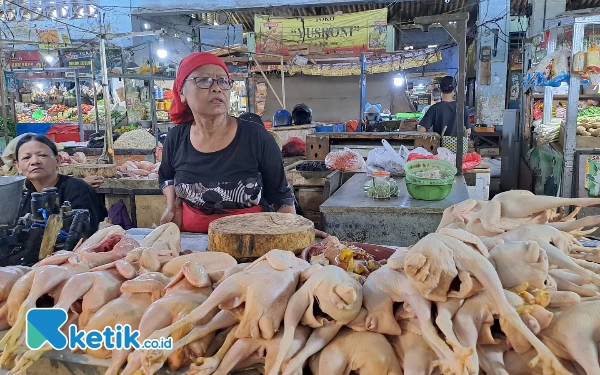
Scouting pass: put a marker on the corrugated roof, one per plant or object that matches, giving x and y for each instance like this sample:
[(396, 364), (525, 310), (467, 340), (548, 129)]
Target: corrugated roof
[(399, 11), (582, 4)]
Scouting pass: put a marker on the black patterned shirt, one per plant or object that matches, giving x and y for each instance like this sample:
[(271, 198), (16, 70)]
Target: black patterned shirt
[(248, 172)]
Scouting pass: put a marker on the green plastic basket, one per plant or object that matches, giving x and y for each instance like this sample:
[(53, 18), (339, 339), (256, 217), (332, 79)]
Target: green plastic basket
[(429, 192), (447, 170)]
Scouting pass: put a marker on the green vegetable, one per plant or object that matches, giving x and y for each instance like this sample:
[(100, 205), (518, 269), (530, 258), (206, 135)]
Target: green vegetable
[(12, 131)]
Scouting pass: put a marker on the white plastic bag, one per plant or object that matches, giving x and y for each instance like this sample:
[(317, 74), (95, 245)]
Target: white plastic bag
[(387, 159), (346, 160)]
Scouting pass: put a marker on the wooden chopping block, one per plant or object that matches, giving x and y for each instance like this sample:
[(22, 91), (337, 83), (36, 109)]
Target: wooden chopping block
[(102, 170), (250, 236)]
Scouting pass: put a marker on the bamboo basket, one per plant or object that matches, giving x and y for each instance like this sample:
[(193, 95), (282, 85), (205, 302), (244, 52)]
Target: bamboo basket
[(102, 170)]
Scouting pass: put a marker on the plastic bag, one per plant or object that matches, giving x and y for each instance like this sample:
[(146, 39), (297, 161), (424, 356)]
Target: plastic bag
[(387, 159), (346, 160)]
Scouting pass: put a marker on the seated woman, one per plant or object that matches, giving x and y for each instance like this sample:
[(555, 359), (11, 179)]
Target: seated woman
[(214, 165), (38, 160)]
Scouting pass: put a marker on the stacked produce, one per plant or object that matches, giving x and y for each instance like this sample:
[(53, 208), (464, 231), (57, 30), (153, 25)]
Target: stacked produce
[(125, 129), (139, 170), (57, 113), (588, 121), (432, 305), (136, 139), (162, 116)]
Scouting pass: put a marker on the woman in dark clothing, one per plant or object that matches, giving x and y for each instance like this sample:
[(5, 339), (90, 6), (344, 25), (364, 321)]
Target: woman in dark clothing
[(214, 165), (38, 160)]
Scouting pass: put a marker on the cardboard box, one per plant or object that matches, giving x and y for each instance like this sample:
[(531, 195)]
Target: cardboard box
[(489, 151)]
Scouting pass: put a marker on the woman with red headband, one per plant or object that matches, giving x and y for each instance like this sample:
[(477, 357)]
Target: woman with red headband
[(215, 165)]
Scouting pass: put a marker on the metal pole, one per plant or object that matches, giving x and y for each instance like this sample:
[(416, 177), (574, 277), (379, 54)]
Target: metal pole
[(460, 97), (569, 126), (78, 97), (153, 101), (3, 102), (108, 153), (363, 88), (282, 83), (97, 119)]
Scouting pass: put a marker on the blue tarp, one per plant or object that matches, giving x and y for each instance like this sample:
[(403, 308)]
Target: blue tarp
[(37, 128)]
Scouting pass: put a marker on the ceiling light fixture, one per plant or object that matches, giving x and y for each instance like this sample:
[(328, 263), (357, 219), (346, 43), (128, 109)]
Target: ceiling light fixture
[(161, 52)]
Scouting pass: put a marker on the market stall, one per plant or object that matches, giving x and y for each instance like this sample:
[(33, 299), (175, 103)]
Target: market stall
[(47, 106), (564, 117)]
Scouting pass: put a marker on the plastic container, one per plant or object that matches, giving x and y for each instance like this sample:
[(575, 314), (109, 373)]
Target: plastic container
[(429, 189), (332, 128), (429, 192), (324, 129), (382, 187), (447, 171)]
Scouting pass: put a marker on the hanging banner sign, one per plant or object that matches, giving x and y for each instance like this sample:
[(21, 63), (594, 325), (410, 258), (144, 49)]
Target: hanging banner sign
[(378, 63), (24, 59), (339, 33), (82, 59), (53, 38), (10, 82)]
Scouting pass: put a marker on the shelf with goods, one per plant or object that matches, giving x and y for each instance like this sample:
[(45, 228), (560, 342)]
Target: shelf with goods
[(46, 100), (147, 96), (568, 62)]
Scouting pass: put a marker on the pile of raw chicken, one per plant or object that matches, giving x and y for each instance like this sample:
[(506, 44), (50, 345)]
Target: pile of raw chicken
[(139, 170), (77, 158), (503, 287)]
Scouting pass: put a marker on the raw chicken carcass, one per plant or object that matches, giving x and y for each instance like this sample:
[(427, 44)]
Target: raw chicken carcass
[(137, 296), (8, 278), (79, 157), (216, 264), (415, 356), (248, 352), (387, 286), (520, 262), (145, 165), (95, 289), (552, 241), (257, 296), (507, 211), (441, 254), (49, 279), (66, 159), (574, 334), (365, 352), (339, 298), (189, 288)]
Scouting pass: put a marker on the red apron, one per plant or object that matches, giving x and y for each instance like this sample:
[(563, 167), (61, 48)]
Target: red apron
[(196, 221)]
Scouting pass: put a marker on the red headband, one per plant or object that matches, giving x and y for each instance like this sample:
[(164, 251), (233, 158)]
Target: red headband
[(180, 112)]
